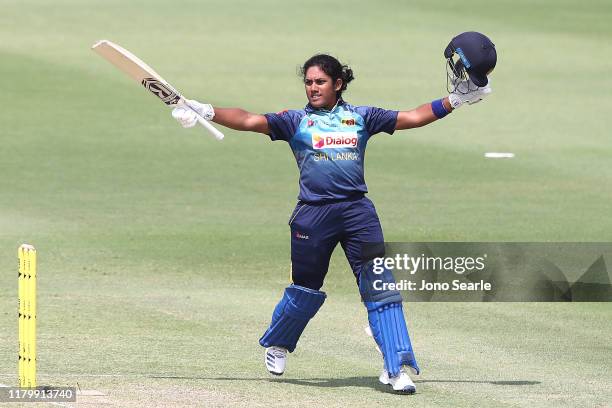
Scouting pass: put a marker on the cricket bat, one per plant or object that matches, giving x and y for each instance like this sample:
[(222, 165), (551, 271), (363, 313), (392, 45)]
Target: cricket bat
[(136, 69)]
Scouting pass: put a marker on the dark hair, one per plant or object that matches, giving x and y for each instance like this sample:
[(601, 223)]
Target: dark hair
[(332, 67)]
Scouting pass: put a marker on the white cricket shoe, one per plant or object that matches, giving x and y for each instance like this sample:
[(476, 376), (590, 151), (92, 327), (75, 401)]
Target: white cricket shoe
[(401, 383), (276, 358)]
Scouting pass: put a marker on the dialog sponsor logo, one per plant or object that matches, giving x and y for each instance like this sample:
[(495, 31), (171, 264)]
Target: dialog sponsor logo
[(334, 140)]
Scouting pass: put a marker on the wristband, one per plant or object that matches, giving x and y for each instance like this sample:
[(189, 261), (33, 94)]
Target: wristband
[(438, 108)]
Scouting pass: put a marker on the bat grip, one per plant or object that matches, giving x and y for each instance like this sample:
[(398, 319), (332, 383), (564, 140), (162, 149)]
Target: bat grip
[(215, 132)]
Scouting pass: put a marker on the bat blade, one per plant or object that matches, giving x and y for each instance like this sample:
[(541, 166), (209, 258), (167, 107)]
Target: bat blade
[(142, 73), (138, 70), (162, 90)]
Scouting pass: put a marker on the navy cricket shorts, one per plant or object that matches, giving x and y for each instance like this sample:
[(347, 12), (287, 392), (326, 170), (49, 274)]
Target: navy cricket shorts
[(316, 229)]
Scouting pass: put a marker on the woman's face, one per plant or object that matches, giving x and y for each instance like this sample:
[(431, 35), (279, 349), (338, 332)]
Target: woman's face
[(320, 88)]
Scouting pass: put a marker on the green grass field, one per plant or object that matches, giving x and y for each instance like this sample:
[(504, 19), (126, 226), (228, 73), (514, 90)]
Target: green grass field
[(162, 252)]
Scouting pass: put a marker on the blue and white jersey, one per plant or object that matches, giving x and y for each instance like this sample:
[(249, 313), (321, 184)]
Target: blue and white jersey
[(329, 146)]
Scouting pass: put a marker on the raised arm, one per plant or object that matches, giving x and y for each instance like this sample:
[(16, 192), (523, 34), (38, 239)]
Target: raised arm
[(421, 116), (233, 118), (465, 92), (239, 119)]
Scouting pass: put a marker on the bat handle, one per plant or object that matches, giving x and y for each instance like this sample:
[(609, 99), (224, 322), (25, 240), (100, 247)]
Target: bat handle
[(215, 132)]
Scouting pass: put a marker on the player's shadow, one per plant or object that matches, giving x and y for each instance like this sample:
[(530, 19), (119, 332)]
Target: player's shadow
[(370, 382), (501, 382), (364, 382)]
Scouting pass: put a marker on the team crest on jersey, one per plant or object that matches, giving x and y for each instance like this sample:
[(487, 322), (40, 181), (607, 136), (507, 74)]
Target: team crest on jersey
[(334, 140), (348, 122)]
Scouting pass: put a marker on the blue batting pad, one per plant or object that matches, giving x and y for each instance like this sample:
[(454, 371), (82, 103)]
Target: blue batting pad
[(386, 318), (291, 315)]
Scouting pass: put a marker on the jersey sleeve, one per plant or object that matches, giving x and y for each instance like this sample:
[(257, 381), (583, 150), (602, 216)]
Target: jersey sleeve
[(379, 120), (283, 125)]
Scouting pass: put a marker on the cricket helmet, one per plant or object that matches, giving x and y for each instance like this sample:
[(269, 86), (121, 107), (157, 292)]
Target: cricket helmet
[(471, 54)]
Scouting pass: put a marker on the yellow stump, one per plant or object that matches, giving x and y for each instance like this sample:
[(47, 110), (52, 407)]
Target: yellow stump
[(27, 316)]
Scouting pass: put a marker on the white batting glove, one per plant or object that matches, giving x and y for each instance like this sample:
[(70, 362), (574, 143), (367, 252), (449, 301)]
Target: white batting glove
[(205, 110), (468, 92), (187, 113)]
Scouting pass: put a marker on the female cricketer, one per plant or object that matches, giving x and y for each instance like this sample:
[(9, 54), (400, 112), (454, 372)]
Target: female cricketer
[(328, 138)]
